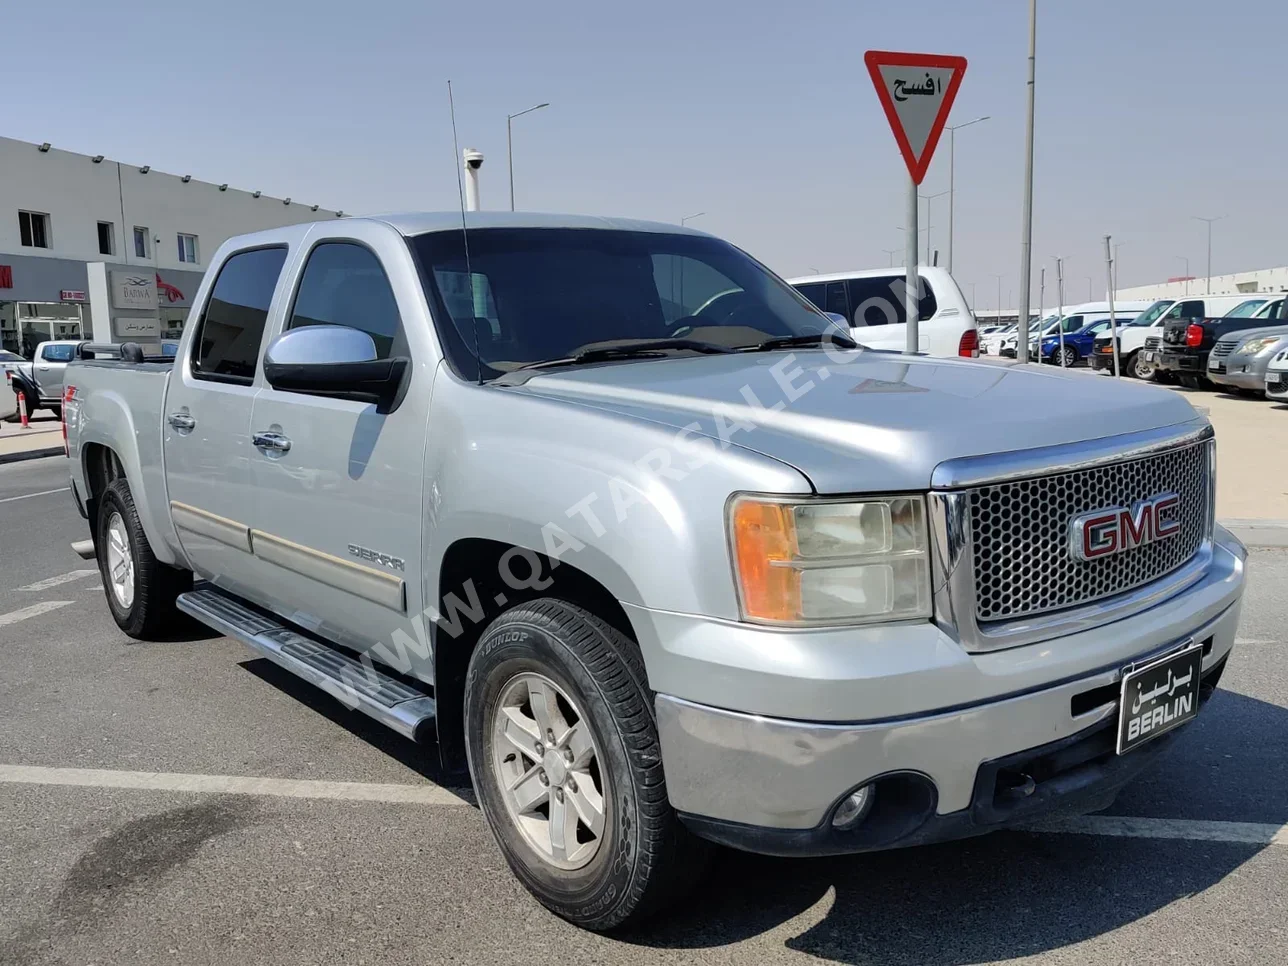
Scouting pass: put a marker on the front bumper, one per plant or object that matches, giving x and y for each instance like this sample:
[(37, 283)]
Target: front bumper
[(1101, 361), (771, 784), (1247, 378), (1276, 385)]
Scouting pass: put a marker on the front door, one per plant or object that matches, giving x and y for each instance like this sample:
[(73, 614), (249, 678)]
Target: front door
[(206, 422), (51, 366), (337, 485)]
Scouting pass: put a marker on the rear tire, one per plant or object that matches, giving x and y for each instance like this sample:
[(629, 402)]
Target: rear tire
[(549, 659), (140, 589)]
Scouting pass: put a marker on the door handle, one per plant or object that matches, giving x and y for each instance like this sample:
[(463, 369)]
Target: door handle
[(182, 422), (43, 368), (273, 442)]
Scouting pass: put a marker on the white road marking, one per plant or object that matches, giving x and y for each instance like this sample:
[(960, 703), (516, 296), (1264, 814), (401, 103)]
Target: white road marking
[(1192, 830), (231, 785), (60, 579), (35, 610), (28, 496)]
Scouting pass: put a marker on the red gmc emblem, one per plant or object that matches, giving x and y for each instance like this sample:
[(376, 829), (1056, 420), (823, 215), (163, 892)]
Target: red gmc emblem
[(1113, 529)]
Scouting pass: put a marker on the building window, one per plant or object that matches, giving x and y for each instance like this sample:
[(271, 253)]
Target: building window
[(106, 238), (34, 229), (187, 248), (140, 242)]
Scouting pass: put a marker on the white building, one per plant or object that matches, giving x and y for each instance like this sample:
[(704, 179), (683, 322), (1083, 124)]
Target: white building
[(74, 228), (1239, 283)]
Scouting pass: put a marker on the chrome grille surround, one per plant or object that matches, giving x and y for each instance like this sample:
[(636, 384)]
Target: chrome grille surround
[(1152, 341), (1064, 595), (1224, 347)]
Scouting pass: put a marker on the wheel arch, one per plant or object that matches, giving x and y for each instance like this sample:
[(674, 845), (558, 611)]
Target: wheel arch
[(471, 594)]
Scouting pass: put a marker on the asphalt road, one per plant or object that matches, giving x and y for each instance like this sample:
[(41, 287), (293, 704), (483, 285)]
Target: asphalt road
[(190, 868)]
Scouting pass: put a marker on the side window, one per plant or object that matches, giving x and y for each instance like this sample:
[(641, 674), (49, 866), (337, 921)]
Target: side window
[(226, 347), (344, 284), (834, 299), (56, 353), (814, 292), (1192, 309)]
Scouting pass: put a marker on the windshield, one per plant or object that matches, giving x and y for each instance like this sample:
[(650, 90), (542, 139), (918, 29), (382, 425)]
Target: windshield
[(1245, 310), (1151, 314), (536, 294)]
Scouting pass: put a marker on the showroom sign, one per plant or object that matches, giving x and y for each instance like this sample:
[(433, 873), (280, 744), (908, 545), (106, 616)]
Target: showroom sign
[(71, 295), (134, 290), (136, 330)]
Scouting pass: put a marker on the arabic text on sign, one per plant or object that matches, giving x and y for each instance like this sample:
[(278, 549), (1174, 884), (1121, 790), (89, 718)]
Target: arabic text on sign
[(929, 88)]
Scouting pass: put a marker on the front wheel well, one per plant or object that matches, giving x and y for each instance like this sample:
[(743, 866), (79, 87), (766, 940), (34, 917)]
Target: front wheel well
[(472, 592)]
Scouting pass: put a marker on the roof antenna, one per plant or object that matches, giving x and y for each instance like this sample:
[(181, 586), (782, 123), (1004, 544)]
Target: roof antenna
[(465, 235)]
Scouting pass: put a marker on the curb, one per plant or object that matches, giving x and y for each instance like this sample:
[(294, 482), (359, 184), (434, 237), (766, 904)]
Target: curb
[(31, 454), (1259, 533)]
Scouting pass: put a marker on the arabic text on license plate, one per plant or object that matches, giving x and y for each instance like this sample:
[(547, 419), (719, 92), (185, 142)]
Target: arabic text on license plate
[(1159, 696)]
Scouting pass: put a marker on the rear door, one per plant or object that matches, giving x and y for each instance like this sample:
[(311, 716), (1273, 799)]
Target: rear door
[(337, 511), (206, 433)]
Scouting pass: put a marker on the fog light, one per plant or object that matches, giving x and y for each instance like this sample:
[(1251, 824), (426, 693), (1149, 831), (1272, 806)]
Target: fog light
[(854, 808)]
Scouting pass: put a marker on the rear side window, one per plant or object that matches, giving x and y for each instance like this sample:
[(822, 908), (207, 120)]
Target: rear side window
[(1192, 309), (878, 300), (813, 291), (344, 284), (57, 353), (834, 299), (226, 348)]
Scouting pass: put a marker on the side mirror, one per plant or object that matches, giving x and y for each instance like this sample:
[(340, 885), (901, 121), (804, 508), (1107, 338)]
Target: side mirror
[(334, 360)]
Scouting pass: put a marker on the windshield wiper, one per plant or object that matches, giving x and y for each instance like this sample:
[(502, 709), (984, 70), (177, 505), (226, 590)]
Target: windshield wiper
[(809, 338), (646, 349)]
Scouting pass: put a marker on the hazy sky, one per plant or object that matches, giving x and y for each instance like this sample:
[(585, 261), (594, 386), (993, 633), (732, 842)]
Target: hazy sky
[(759, 113)]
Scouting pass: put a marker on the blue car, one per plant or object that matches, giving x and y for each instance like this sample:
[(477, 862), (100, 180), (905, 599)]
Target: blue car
[(1080, 333)]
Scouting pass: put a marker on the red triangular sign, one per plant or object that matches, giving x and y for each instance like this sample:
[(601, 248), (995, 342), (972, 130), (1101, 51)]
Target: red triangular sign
[(917, 92)]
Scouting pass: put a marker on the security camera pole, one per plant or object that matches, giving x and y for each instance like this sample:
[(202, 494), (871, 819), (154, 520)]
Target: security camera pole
[(473, 161), (917, 92)]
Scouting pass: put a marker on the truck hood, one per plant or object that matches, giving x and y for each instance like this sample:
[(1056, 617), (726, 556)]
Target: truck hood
[(872, 421)]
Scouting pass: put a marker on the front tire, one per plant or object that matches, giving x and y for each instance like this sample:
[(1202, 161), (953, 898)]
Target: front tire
[(563, 751), (1067, 357), (141, 590), (1140, 369)]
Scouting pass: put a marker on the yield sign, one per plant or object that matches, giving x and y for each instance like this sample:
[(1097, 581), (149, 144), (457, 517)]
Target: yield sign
[(917, 92)]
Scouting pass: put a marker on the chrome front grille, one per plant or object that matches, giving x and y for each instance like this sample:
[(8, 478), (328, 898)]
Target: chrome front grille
[(1020, 533), (1152, 341), (1223, 349)]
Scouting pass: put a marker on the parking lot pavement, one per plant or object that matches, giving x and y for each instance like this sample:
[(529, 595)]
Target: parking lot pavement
[(134, 830)]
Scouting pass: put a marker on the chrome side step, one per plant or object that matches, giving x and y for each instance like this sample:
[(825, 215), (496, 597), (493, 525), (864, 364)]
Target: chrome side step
[(392, 702)]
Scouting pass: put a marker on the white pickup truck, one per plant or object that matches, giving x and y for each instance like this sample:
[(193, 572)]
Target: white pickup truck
[(610, 513)]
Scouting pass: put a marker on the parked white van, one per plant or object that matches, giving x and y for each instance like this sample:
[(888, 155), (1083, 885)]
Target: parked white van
[(873, 301)]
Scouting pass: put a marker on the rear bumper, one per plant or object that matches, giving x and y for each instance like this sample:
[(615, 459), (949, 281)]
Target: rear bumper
[(771, 785), (1183, 360)]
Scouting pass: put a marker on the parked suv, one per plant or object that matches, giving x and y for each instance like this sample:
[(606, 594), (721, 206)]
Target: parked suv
[(1239, 361), (660, 562), (873, 303)]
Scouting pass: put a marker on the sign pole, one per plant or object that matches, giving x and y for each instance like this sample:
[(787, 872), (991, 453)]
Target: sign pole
[(1059, 272), (1026, 230), (1109, 287), (912, 282)]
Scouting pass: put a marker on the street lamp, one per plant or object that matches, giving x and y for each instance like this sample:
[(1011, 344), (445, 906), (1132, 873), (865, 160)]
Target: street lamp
[(1088, 278), (928, 199), (509, 144), (688, 218), (1209, 263), (1187, 272), (892, 252), (999, 301), (952, 196)]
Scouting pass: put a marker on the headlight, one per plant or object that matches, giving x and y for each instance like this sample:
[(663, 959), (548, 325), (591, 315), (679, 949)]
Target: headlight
[(1254, 346), (830, 561)]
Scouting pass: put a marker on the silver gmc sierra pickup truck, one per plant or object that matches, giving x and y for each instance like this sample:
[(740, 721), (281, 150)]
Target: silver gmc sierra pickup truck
[(617, 520)]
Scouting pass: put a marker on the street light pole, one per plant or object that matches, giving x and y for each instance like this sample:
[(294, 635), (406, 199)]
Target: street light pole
[(1026, 231), (1088, 278), (892, 252), (509, 144), (928, 199), (1209, 253), (999, 306), (952, 195), (1117, 245)]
